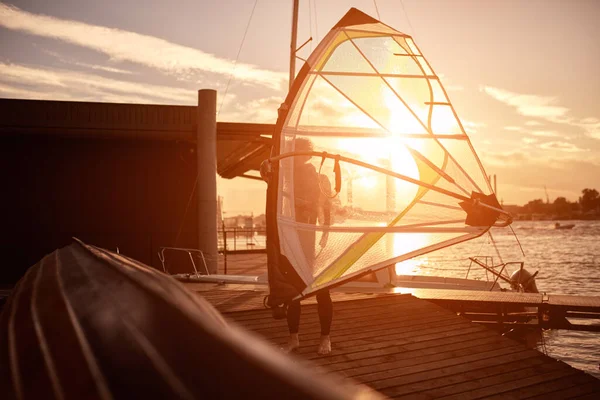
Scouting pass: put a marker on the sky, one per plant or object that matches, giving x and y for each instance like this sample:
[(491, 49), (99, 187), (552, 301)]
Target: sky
[(522, 75)]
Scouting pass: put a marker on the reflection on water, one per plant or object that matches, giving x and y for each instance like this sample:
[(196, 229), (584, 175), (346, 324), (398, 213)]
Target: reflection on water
[(568, 262)]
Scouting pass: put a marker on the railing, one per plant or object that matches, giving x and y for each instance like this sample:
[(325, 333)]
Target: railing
[(235, 239), (190, 252)]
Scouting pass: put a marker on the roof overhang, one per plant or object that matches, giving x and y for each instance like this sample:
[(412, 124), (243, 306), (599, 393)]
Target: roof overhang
[(241, 147)]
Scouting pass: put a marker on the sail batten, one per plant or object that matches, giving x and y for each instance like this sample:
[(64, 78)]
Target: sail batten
[(365, 166)]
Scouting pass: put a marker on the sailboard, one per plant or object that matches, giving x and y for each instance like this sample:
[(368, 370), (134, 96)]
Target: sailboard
[(370, 164)]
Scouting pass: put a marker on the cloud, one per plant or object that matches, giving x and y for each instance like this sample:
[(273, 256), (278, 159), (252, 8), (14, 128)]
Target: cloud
[(450, 87), (262, 110), (18, 81), (533, 123), (141, 49), (528, 140), (562, 146), (546, 133), (513, 128), (543, 107), (86, 65), (471, 126), (527, 104)]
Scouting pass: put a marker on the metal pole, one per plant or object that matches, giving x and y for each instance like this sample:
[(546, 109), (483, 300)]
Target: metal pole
[(293, 43), (206, 146)]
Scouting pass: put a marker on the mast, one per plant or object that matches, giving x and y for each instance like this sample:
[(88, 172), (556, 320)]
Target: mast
[(293, 43)]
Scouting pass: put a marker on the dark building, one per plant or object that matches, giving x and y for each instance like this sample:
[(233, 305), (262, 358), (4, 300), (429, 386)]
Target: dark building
[(117, 176)]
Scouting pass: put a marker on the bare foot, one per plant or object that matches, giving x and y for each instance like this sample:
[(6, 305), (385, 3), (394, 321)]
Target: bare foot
[(324, 346), (293, 344)]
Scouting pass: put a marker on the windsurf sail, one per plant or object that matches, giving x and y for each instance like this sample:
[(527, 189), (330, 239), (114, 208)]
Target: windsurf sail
[(370, 166)]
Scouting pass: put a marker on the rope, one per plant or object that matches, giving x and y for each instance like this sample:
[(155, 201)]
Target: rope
[(310, 23), (412, 30), (377, 10), (186, 209), (238, 56), (316, 21), (515, 235), (496, 247)]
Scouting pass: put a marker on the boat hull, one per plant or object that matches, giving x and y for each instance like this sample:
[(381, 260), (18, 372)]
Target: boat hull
[(88, 323)]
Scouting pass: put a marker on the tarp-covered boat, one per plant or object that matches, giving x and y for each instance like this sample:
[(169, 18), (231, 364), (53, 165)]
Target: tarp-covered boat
[(86, 323)]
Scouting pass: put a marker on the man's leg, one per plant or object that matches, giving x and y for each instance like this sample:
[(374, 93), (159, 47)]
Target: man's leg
[(325, 308), (293, 320)]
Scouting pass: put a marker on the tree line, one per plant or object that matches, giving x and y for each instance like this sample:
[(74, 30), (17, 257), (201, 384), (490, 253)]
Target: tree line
[(588, 204)]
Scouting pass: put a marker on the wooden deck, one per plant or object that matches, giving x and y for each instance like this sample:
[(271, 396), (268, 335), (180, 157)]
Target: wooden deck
[(547, 311), (405, 347)]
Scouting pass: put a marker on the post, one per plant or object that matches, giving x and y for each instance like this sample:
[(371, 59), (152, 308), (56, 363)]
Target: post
[(495, 188), (293, 43), (206, 149)]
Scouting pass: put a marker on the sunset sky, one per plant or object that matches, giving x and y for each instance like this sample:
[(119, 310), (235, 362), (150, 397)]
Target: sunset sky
[(523, 75)]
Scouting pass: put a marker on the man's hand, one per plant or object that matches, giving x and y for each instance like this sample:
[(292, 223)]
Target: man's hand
[(324, 237)]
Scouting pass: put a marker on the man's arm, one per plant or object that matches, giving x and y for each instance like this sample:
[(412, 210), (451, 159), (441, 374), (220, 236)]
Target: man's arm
[(324, 199)]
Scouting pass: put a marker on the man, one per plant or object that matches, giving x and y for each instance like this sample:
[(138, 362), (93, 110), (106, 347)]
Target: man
[(311, 204)]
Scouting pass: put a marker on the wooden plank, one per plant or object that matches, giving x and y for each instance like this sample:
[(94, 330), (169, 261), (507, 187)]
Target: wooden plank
[(311, 322), (412, 360), (309, 315), (467, 381), (389, 378), (377, 348), (587, 396), (465, 342), (587, 303), (407, 383), (480, 296), (342, 310), (485, 377), (567, 386), (504, 390), (403, 339), (590, 388)]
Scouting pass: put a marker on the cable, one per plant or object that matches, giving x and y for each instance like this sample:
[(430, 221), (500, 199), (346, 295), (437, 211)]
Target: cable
[(310, 23), (186, 209), (412, 30), (377, 10), (496, 247), (238, 56), (515, 235), (316, 21)]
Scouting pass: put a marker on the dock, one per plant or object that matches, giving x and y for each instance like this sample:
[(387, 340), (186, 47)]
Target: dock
[(405, 347), (502, 310)]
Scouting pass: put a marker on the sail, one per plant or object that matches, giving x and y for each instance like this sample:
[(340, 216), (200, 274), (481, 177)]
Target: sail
[(371, 164)]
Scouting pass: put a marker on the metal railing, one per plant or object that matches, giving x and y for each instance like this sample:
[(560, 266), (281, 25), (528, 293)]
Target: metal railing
[(162, 258), (234, 239)]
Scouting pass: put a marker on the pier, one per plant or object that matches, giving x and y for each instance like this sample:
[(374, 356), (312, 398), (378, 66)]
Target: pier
[(405, 347), (501, 310)]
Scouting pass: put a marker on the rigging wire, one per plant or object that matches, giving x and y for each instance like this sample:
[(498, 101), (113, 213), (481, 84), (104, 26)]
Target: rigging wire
[(186, 210), (310, 24), (496, 247), (316, 21), (377, 10), (238, 56), (516, 237), (412, 30)]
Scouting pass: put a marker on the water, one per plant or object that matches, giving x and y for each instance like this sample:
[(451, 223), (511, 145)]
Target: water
[(568, 262)]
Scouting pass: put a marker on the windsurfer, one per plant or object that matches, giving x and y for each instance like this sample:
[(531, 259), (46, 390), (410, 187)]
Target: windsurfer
[(311, 205)]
